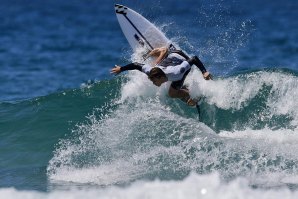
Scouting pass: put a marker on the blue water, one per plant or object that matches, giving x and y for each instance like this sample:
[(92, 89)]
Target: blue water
[(70, 129)]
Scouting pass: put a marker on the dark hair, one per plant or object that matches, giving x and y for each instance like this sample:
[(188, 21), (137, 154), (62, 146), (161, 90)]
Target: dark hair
[(156, 73)]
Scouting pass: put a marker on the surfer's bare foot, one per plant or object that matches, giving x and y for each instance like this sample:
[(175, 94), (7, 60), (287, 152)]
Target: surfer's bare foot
[(191, 102)]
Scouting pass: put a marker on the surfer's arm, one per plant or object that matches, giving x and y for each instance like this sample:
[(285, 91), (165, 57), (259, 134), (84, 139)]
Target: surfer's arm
[(159, 53), (132, 66), (206, 74), (196, 61)]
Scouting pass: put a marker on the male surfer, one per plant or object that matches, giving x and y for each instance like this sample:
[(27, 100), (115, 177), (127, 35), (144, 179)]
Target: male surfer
[(169, 65)]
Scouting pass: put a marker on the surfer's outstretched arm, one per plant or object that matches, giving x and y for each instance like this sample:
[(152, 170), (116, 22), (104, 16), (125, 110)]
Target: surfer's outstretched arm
[(132, 66)]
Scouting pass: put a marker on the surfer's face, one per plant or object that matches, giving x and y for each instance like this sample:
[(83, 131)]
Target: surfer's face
[(158, 81)]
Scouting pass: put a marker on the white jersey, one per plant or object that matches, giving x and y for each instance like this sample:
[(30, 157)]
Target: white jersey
[(174, 72), (146, 68)]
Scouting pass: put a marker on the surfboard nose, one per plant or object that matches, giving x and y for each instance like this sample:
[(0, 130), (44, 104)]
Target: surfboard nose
[(120, 9)]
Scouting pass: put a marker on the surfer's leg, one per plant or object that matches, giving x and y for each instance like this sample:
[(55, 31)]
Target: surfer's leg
[(177, 90), (178, 93), (183, 95)]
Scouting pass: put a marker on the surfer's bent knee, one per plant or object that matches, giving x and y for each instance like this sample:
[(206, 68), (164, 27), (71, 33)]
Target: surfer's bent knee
[(172, 92)]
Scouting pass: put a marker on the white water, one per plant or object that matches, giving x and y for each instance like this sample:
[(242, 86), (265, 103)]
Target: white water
[(194, 186), (144, 138), (237, 92)]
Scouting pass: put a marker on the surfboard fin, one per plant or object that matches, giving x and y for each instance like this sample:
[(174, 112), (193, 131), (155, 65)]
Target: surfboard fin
[(199, 111)]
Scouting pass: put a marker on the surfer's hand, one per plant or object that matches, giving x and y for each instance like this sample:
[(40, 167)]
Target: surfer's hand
[(116, 70), (207, 76)]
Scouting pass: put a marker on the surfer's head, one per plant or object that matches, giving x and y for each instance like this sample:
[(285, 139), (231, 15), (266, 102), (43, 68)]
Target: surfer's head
[(157, 76)]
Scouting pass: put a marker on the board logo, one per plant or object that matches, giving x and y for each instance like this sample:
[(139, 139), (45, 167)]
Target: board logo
[(140, 41), (172, 47), (121, 9)]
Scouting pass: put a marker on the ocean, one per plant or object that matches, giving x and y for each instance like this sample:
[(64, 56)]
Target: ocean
[(70, 129)]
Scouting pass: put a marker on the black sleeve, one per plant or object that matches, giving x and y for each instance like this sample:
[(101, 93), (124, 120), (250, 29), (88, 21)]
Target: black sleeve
[(196, 60), (180, 52), (132, 66), (200, 65)]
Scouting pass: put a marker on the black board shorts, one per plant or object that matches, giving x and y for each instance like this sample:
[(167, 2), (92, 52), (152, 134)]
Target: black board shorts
[(178, 84)]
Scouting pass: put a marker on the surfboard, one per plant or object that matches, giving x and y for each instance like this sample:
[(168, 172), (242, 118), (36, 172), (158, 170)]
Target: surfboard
[(139, 32)]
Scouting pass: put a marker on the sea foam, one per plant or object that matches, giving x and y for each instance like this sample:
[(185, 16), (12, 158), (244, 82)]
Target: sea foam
[(194, 186)]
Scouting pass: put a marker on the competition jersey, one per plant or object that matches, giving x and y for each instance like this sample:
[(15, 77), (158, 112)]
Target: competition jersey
[(173, 59), (174, 66)]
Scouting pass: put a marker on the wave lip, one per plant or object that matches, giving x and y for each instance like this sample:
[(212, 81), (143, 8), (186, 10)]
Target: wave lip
[(252, 100)]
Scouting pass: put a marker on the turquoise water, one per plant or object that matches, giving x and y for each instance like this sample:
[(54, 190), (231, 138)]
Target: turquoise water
[(70, 129)]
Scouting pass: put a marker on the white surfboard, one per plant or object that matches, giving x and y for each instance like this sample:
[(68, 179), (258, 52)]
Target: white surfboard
[(139, 32)]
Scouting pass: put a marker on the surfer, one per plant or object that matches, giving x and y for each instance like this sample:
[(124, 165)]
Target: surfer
[(168, 65)]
